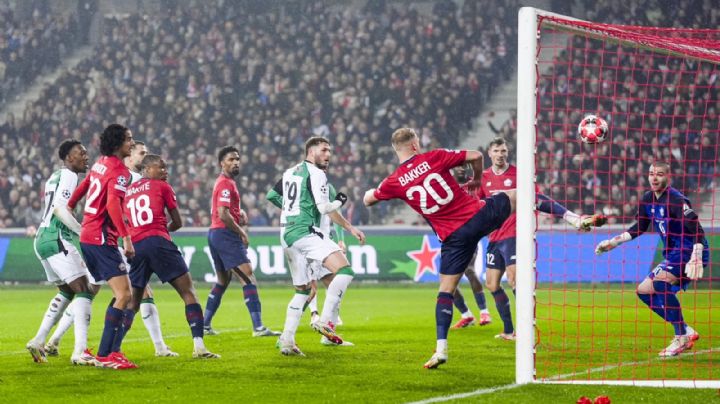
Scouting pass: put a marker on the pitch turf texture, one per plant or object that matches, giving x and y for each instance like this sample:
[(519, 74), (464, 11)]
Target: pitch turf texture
[(392, 327)]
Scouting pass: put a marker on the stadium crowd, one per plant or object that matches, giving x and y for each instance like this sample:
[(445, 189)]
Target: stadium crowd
[(657, 107), (195, 79), (34, 45)]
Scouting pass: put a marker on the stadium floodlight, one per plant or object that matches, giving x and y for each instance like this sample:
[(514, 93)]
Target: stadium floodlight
[(579, 319)]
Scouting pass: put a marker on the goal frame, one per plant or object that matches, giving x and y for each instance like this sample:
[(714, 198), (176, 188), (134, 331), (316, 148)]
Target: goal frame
[(529, 19)]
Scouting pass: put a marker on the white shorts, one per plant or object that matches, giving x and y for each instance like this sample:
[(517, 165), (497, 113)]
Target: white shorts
[(63, 268), (305, 258)]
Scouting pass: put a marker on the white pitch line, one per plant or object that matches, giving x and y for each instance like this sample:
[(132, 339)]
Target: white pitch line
[(490, 390), (138, 339)]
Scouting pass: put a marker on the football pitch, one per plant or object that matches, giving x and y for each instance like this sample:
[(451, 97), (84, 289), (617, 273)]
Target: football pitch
[(392, 327)]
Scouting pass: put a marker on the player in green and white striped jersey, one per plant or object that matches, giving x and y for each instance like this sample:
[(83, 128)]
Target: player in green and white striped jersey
[(57, 247), (305, 198)]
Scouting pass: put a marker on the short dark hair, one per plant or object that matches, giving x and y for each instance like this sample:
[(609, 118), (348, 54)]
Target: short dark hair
[(65, 148), (225, 151), (498, 141), (112, 139), (314, 141), (150, 159)]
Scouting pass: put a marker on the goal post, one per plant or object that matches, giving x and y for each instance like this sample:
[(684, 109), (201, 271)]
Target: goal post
[(579, 320)]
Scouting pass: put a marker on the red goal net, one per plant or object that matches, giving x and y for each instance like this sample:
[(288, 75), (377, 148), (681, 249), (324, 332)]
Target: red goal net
[(658, 90)]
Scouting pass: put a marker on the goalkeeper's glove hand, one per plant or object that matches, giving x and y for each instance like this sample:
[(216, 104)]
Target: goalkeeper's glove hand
[(607, 245), (341, 197), (694, 267)]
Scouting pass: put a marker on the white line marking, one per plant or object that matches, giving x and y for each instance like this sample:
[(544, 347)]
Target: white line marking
[(558, 378)]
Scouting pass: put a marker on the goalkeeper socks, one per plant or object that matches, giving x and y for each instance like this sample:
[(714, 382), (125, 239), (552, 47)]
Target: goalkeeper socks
[(671, 304), (252, 301), (653, 302), (194, 317), (113, 321), (335, 292), (55, 309), (151, 319), (547, 205), (503, 307), (443, 314), (480, 300), (128, 317), (66, 321), (213, 302), (82, 306), (459, 302), (294, 314)]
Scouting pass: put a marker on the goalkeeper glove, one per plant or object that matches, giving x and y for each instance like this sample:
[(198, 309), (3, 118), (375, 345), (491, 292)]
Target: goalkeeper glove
[(341, 197), (607, 245), (694, 267)]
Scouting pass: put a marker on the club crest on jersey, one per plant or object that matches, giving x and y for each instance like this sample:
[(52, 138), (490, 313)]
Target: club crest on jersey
[(686, 209), (488, 184), (507, 182), (66, 193), (225, 193), (122, 181)]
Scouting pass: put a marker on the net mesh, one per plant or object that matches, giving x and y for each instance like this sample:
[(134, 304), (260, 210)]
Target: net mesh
[(658, 90)]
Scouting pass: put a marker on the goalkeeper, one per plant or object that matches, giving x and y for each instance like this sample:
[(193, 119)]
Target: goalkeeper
[(685, 252)]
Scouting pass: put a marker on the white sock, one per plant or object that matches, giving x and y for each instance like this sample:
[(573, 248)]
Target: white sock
[(293, 315), (334, 295), (82, 306), (486, 311), (151, 319), (55, 309), (199, 344), (467, 314), (313, 304), (67, 320), (441, 345)]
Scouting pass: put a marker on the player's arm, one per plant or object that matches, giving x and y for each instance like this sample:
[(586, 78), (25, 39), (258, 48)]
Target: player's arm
[(60, 202), (170, 202), (340, 220), (691, 226), (477, 160), (114, 209), (176, 221), (230, 224), (382, 193), (275, 195), (319, 187), (475, 183), (640, 226)]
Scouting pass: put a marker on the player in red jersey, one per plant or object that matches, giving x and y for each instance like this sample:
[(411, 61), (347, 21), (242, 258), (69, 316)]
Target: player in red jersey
[(145, 204), (228, 244), (102, 224), (500, 254), (424, 182), (471, 186)]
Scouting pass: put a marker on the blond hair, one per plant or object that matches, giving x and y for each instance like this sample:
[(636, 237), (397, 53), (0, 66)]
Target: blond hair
[(403, 136)]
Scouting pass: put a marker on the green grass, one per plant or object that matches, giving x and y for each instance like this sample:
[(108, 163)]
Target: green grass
[(392, 327)]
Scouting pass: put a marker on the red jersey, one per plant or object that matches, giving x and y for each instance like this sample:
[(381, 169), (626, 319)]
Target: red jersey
[(108, 176), (425, 183), (225, 193), (491, 184), (144, 206)]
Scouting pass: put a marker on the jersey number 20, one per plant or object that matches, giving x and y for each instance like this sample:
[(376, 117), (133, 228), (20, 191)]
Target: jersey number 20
[(427, 189)]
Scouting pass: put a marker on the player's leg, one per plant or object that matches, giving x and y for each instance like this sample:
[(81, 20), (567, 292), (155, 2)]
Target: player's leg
[(478, 292), (82, 312), (105, 263), (312, 304), (583, 223), (57, 306), (215, 242), (151, 318), (658, 291), (303, 287), (252, 300), (183, 284), (493, 276), (52, 348), (337, 263), (466, 317)]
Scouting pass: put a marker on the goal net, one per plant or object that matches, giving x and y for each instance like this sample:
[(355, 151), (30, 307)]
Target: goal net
[(579, 317)]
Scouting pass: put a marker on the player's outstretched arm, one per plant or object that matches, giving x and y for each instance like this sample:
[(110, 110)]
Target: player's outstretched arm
[(369, 198), (340, 220), (176, 220), (607, 245)]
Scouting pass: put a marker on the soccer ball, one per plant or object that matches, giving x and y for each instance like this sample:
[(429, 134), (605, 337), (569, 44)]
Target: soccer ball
[(592, 129)]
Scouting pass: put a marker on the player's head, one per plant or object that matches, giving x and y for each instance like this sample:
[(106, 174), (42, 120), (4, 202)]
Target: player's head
[(461, 173), (134, 161), (229, 159), (659, 176), (74, 155), (154, 167), (116, 140), (405, 141), (318, 151), (498, 152)]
